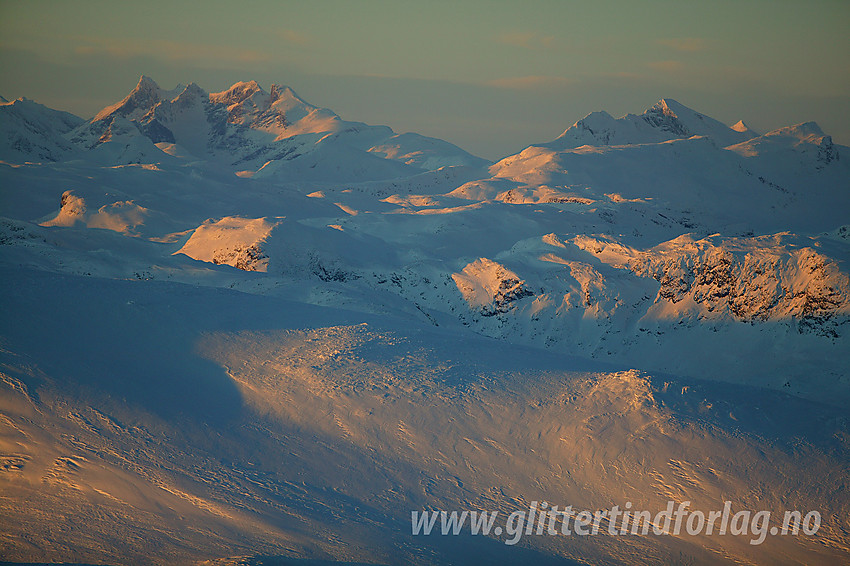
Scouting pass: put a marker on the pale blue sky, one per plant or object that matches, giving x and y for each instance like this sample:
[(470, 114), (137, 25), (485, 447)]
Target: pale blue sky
[(492, 77)]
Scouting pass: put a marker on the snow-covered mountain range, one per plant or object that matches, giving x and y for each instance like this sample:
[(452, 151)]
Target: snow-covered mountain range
[(353, 291), (274, 134)]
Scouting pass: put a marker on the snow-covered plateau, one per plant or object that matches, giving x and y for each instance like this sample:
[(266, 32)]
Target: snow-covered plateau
[(238, 329)]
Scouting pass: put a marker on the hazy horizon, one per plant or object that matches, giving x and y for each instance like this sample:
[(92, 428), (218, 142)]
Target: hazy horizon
[(489, 77)]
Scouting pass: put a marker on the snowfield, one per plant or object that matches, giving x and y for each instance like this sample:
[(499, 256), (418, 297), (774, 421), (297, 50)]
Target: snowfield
[(237, 329)]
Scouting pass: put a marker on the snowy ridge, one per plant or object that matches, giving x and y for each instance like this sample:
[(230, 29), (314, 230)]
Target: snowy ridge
[(32, 132), (805, 138), (666, 120)]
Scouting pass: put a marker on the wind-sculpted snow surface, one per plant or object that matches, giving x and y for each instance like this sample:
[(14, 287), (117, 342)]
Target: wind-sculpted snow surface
[(190, 424), (238, 329)]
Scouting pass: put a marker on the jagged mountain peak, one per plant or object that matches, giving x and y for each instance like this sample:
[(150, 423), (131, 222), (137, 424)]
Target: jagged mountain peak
[(283, 97), (671, 116), (597, 128), (248, 100), (285, 91), (597, 118), (674, 108), (670, 107), (237, 93), (744, 128), (250, 86), (243, 90), (138, 102), (192, 92), (146, 83), (248, 128), (668, 119), (282, 91), (804, 130), (18, 101)]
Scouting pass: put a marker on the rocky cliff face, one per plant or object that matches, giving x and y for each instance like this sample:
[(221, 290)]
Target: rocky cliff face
[(750, 280)]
